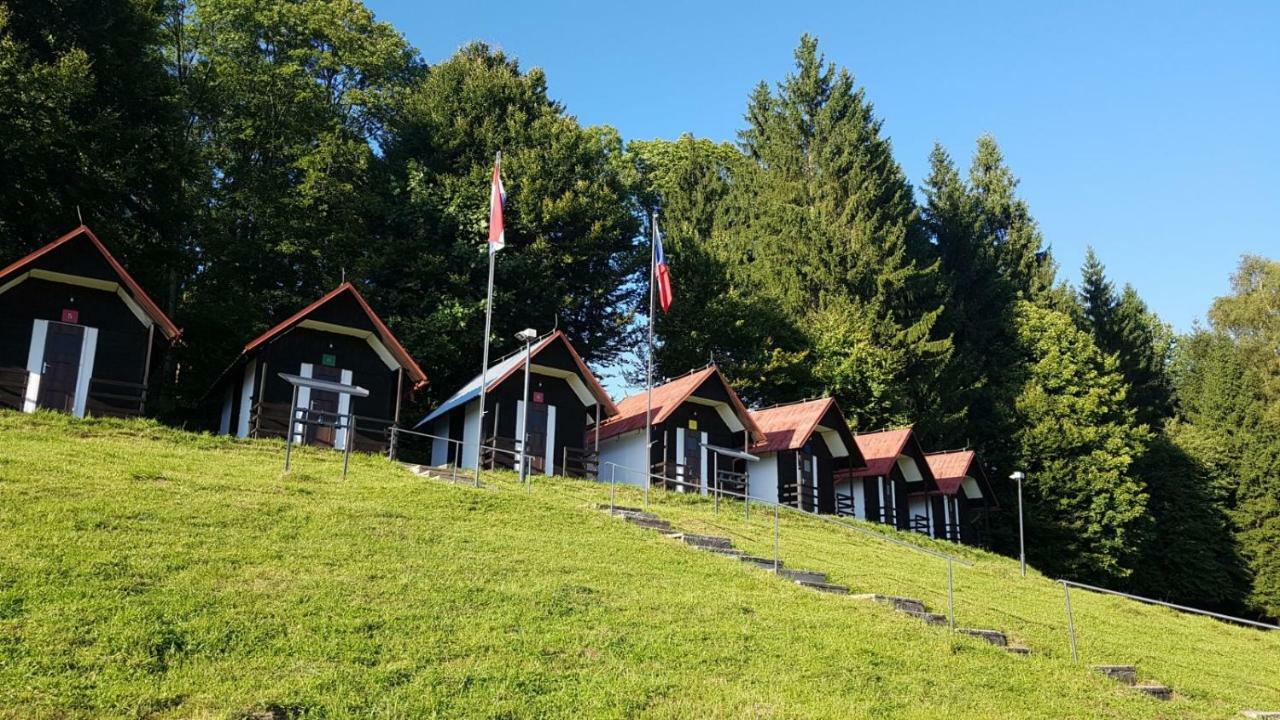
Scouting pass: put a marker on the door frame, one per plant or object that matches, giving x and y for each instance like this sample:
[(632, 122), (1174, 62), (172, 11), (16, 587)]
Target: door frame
[(35, 366)]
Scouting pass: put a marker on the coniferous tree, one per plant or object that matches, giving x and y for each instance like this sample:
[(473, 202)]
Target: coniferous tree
[(1123, 326), (688, 181), (571, 259), (1086, 511), (821, 223), (1008, 226)]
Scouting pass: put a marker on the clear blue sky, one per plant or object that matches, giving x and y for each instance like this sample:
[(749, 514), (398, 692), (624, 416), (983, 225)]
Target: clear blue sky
[(1150, 130)]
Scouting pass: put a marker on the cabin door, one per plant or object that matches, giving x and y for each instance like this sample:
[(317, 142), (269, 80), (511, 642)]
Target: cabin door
[(689, 459), (536, 437), (61, 370), (324, 409), (806, 472)]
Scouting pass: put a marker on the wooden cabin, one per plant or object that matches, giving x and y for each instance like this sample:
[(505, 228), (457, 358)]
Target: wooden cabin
[(701, 434), (882, 490), (963, 497), (337, 338), (77, 332), (805, 444), (566, 401)]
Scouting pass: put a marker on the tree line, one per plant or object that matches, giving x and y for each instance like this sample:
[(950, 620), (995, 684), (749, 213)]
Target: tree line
[(244, 156)]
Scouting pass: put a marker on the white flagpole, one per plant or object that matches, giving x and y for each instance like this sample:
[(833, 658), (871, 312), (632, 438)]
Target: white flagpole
[(488, 323), (648, 400)]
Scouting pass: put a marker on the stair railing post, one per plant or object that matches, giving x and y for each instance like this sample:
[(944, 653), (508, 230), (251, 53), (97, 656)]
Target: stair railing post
[(1071, 625), (715, 479), (347, 442), (951, 597), (288, 432), (776, 535), (613, 485)]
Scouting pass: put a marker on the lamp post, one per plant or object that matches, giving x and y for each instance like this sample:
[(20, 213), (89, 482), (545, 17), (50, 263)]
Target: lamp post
[(1018, 477), (528, 335)]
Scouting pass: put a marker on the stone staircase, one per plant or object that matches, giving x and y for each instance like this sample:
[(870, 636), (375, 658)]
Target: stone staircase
[(724, 546), (917, 610), (1128, 675), (804, 578)]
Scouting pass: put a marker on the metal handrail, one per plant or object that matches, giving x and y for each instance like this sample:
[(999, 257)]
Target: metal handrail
[(1162, 603), (748, 499)]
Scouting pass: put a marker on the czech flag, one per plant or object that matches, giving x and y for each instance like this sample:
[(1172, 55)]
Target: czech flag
[(661, 273), (497, 199)]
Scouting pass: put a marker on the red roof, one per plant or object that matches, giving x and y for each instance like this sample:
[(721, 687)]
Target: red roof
[(880, 451), (788, 427), (668, 397), (406, 361), (950, 469), (152, 310)]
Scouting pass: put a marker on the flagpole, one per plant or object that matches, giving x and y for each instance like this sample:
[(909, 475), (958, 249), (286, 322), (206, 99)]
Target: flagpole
[(484, 363), (648, 400)]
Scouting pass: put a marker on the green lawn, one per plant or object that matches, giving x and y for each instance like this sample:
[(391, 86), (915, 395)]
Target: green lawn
[(146, 572)]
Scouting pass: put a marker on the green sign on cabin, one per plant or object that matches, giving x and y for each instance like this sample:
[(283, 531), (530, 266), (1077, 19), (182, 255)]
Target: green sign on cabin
[(329, 360)]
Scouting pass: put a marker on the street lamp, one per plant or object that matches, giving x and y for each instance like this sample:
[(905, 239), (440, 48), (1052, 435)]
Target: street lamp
[(1018, 477), (528, 335)]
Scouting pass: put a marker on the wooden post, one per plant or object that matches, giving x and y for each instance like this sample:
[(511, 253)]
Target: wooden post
[(146, 369), (262, 393), (399, 395)]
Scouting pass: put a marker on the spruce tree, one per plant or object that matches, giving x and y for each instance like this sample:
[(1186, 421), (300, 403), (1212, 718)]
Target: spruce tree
[(1123, 326), (1007, 225), (821, 223)]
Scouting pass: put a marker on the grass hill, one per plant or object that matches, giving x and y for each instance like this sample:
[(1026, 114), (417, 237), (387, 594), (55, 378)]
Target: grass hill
[(152, 573)]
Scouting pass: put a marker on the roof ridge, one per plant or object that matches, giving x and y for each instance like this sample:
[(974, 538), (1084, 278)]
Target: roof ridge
[(891, 428)]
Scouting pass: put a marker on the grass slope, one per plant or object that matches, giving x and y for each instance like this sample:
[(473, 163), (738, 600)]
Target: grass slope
[(146, 572)]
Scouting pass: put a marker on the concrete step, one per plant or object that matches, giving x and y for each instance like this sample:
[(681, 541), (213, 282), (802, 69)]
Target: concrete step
[(824, 587), (1127, 674), (1261, 714), (995, 637), (762, 562), (706, 542), (1155, 690), (1017, 650), (805, 575), (658, 524), (928, 617), (727, 552), (901, 604), (618, 508)]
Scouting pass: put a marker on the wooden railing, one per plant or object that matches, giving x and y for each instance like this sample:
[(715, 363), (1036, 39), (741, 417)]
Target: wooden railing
[(498, 452), (802, 497), (106, 398), (370, 434), (13, 383), (920, 524), (114, 398), (845, 506), (577, 462)]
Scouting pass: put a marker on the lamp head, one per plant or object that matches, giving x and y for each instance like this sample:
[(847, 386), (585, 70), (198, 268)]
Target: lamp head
[(527, 335), (1018, 476)]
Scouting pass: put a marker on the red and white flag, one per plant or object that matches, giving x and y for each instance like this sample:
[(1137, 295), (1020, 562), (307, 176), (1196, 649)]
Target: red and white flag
[(497, 199), (661, 273)]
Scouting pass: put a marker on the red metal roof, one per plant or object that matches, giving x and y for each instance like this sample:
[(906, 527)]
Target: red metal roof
[(152, 310), (406, 361), (788, 427), (669, 396), (950, 469), (880, 450)]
